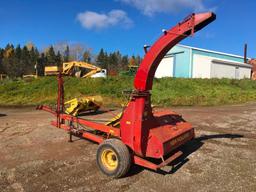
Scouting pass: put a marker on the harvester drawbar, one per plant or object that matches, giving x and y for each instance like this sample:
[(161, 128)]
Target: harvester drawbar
[(142, 136)]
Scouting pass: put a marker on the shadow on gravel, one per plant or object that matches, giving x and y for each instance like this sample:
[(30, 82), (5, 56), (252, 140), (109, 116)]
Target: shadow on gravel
[(196, 144), (2, 115), (187, 149)]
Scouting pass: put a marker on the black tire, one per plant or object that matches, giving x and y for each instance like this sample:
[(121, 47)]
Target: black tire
[(120, 158)]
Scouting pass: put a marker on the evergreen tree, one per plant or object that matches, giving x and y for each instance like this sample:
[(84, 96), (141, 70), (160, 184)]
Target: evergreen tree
[(41, 64), (34, 57), (125, 62), (118, 56), (58, 59), (25, 62), (18, 61), (66, 56), (51, 57), (113, 63), (17, 65), (1, 61), (102, 59)]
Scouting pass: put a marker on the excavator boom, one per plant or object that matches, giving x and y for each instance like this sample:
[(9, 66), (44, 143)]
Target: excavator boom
[(68, 68)]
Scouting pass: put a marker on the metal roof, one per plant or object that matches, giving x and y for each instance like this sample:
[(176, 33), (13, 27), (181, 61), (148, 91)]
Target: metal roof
[(220, 61), (210, 51)]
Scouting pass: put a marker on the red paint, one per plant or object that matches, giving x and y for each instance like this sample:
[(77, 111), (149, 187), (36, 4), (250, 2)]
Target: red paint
[(144, 132)]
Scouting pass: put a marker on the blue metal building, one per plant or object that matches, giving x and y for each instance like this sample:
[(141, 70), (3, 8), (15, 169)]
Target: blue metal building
[(191, 62)]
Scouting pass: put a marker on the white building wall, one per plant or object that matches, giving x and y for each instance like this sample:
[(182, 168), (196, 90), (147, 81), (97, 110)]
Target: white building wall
[(204, 67), (165, 68), (230, 69), (201, 66), (244, 73)]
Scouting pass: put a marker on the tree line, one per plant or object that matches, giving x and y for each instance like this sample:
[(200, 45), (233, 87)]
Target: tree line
[(16, 61)]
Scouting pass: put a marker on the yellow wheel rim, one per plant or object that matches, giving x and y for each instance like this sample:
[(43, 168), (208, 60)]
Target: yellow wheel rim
[(109, 159)]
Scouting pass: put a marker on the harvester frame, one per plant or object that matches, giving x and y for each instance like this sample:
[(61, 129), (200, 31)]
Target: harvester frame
[(143, 134)]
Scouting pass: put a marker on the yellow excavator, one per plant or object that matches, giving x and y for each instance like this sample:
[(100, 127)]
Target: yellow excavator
[(79, 105), (74, 68), (94, 71)]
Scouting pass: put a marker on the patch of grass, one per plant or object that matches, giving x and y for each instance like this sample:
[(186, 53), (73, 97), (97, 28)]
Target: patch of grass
[(166, 91)]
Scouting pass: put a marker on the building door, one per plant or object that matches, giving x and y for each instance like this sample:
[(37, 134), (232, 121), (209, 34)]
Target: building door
[(165, 68), (223, 71)]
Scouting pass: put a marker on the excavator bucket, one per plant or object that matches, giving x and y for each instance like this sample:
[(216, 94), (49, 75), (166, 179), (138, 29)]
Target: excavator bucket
[(79, 105)]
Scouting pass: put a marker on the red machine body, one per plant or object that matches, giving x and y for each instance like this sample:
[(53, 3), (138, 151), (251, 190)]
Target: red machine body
[(147, 134)]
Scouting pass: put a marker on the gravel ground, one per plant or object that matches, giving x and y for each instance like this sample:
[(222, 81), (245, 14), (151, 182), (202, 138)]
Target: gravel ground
[(37, 157)]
